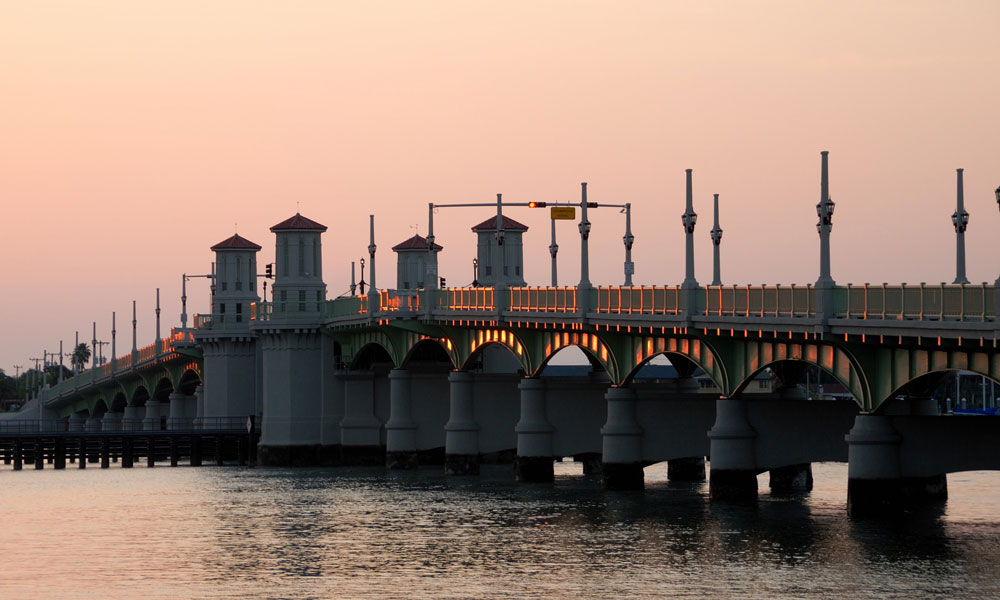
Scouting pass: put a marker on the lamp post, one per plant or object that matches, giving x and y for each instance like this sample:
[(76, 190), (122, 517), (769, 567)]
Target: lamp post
[(716, 241), (475, 272), (824, 210), (960, 219), (689, 218), (361, 284)]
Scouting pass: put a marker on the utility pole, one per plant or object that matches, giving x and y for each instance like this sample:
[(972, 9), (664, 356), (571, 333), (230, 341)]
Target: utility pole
[(628, 239)]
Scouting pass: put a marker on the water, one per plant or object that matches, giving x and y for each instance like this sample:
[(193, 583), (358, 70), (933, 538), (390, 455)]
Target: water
[(366, 533)]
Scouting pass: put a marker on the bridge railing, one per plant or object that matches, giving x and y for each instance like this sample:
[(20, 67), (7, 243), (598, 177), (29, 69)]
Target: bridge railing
[(760, 301), (940, 302), (543, 299), (465, 299), (652, 300)]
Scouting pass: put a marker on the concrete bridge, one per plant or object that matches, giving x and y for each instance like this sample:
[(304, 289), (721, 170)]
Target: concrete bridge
[(422, 375)]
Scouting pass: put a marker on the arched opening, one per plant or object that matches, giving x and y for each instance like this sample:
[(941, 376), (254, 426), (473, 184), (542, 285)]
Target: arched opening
[(947, 391), (163, 389), (118, 403), (430, 353), (572, 361), (495, 357), (797, 379), (675, 369), (189, 381), (139, 396), (370, 356)]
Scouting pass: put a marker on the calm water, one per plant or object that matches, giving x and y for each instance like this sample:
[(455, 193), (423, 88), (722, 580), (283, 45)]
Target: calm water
[(364, 533)]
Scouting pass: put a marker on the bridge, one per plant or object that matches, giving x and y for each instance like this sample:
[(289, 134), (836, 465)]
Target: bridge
[(460, 376)]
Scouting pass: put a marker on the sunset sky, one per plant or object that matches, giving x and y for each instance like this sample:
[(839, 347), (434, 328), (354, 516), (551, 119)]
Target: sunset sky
[(135, 135)]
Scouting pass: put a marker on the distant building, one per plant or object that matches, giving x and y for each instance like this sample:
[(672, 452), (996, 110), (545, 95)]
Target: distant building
[(412, 267), (513, 252)]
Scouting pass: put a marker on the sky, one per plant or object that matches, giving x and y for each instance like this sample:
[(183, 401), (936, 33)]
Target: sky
[(135, 135)]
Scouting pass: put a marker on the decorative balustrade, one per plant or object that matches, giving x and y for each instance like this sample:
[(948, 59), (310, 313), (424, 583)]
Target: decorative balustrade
[(543, 299), (466, 299), (654, 300), (760, 301), (940, 302)]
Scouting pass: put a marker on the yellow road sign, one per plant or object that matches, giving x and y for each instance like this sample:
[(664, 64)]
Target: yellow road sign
[(563, 212)]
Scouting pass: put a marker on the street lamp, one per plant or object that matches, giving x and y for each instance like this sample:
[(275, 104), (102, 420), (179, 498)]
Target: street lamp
[(475, 272), (361, 284)]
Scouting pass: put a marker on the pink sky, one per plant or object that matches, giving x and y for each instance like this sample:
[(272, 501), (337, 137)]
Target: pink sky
[(134, 134)]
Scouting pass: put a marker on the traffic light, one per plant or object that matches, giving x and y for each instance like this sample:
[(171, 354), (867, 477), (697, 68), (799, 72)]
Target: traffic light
[(268, 271), (591, 205), (536, 205), (442, 282)]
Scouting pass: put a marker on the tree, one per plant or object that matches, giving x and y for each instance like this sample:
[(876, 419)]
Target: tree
[(80, 356)]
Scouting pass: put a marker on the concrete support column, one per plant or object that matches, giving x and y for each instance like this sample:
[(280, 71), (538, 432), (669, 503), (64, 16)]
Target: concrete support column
[(461, 441), (621, 463), (534, 434), (76, 423), (691, 468), (132, 418), (360, 430), (177, 419), (733, 474), (875, 484), (93, 424), (400, 430), (199, 400), (151, 421), (112, 421)]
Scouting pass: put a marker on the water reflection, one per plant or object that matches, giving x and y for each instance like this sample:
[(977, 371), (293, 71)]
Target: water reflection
[(311, 533)]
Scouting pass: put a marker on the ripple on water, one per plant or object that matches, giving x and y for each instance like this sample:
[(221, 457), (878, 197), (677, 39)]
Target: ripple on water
[(316, 533)]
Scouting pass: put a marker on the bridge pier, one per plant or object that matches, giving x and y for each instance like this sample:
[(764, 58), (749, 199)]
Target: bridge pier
[(293, 394), (876, 484), (132, 418), (151, 420), (621, 462), (534, 462), (178, 418), (733, 474), (400, 429), (76, 422), (112, 421), (461, 446), (360, 429), (93, 423)]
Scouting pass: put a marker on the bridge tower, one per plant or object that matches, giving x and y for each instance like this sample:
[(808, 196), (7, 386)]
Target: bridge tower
[(412, 270), (296, 358), (512, 266), (231, 373)]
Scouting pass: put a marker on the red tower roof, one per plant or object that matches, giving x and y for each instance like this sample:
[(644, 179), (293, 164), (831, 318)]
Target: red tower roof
[(416, 242), (508, 225), (298, 222), (235, 243)]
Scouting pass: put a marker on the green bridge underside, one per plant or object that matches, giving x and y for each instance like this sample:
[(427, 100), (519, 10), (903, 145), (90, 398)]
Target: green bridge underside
[(876, 340)]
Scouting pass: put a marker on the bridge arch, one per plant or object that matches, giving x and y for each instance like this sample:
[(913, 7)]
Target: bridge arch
[(427, 348), (694, 350), (894, 369), (369, 354), (755, 356), (591, 344), (478, 340), (188, 382)]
